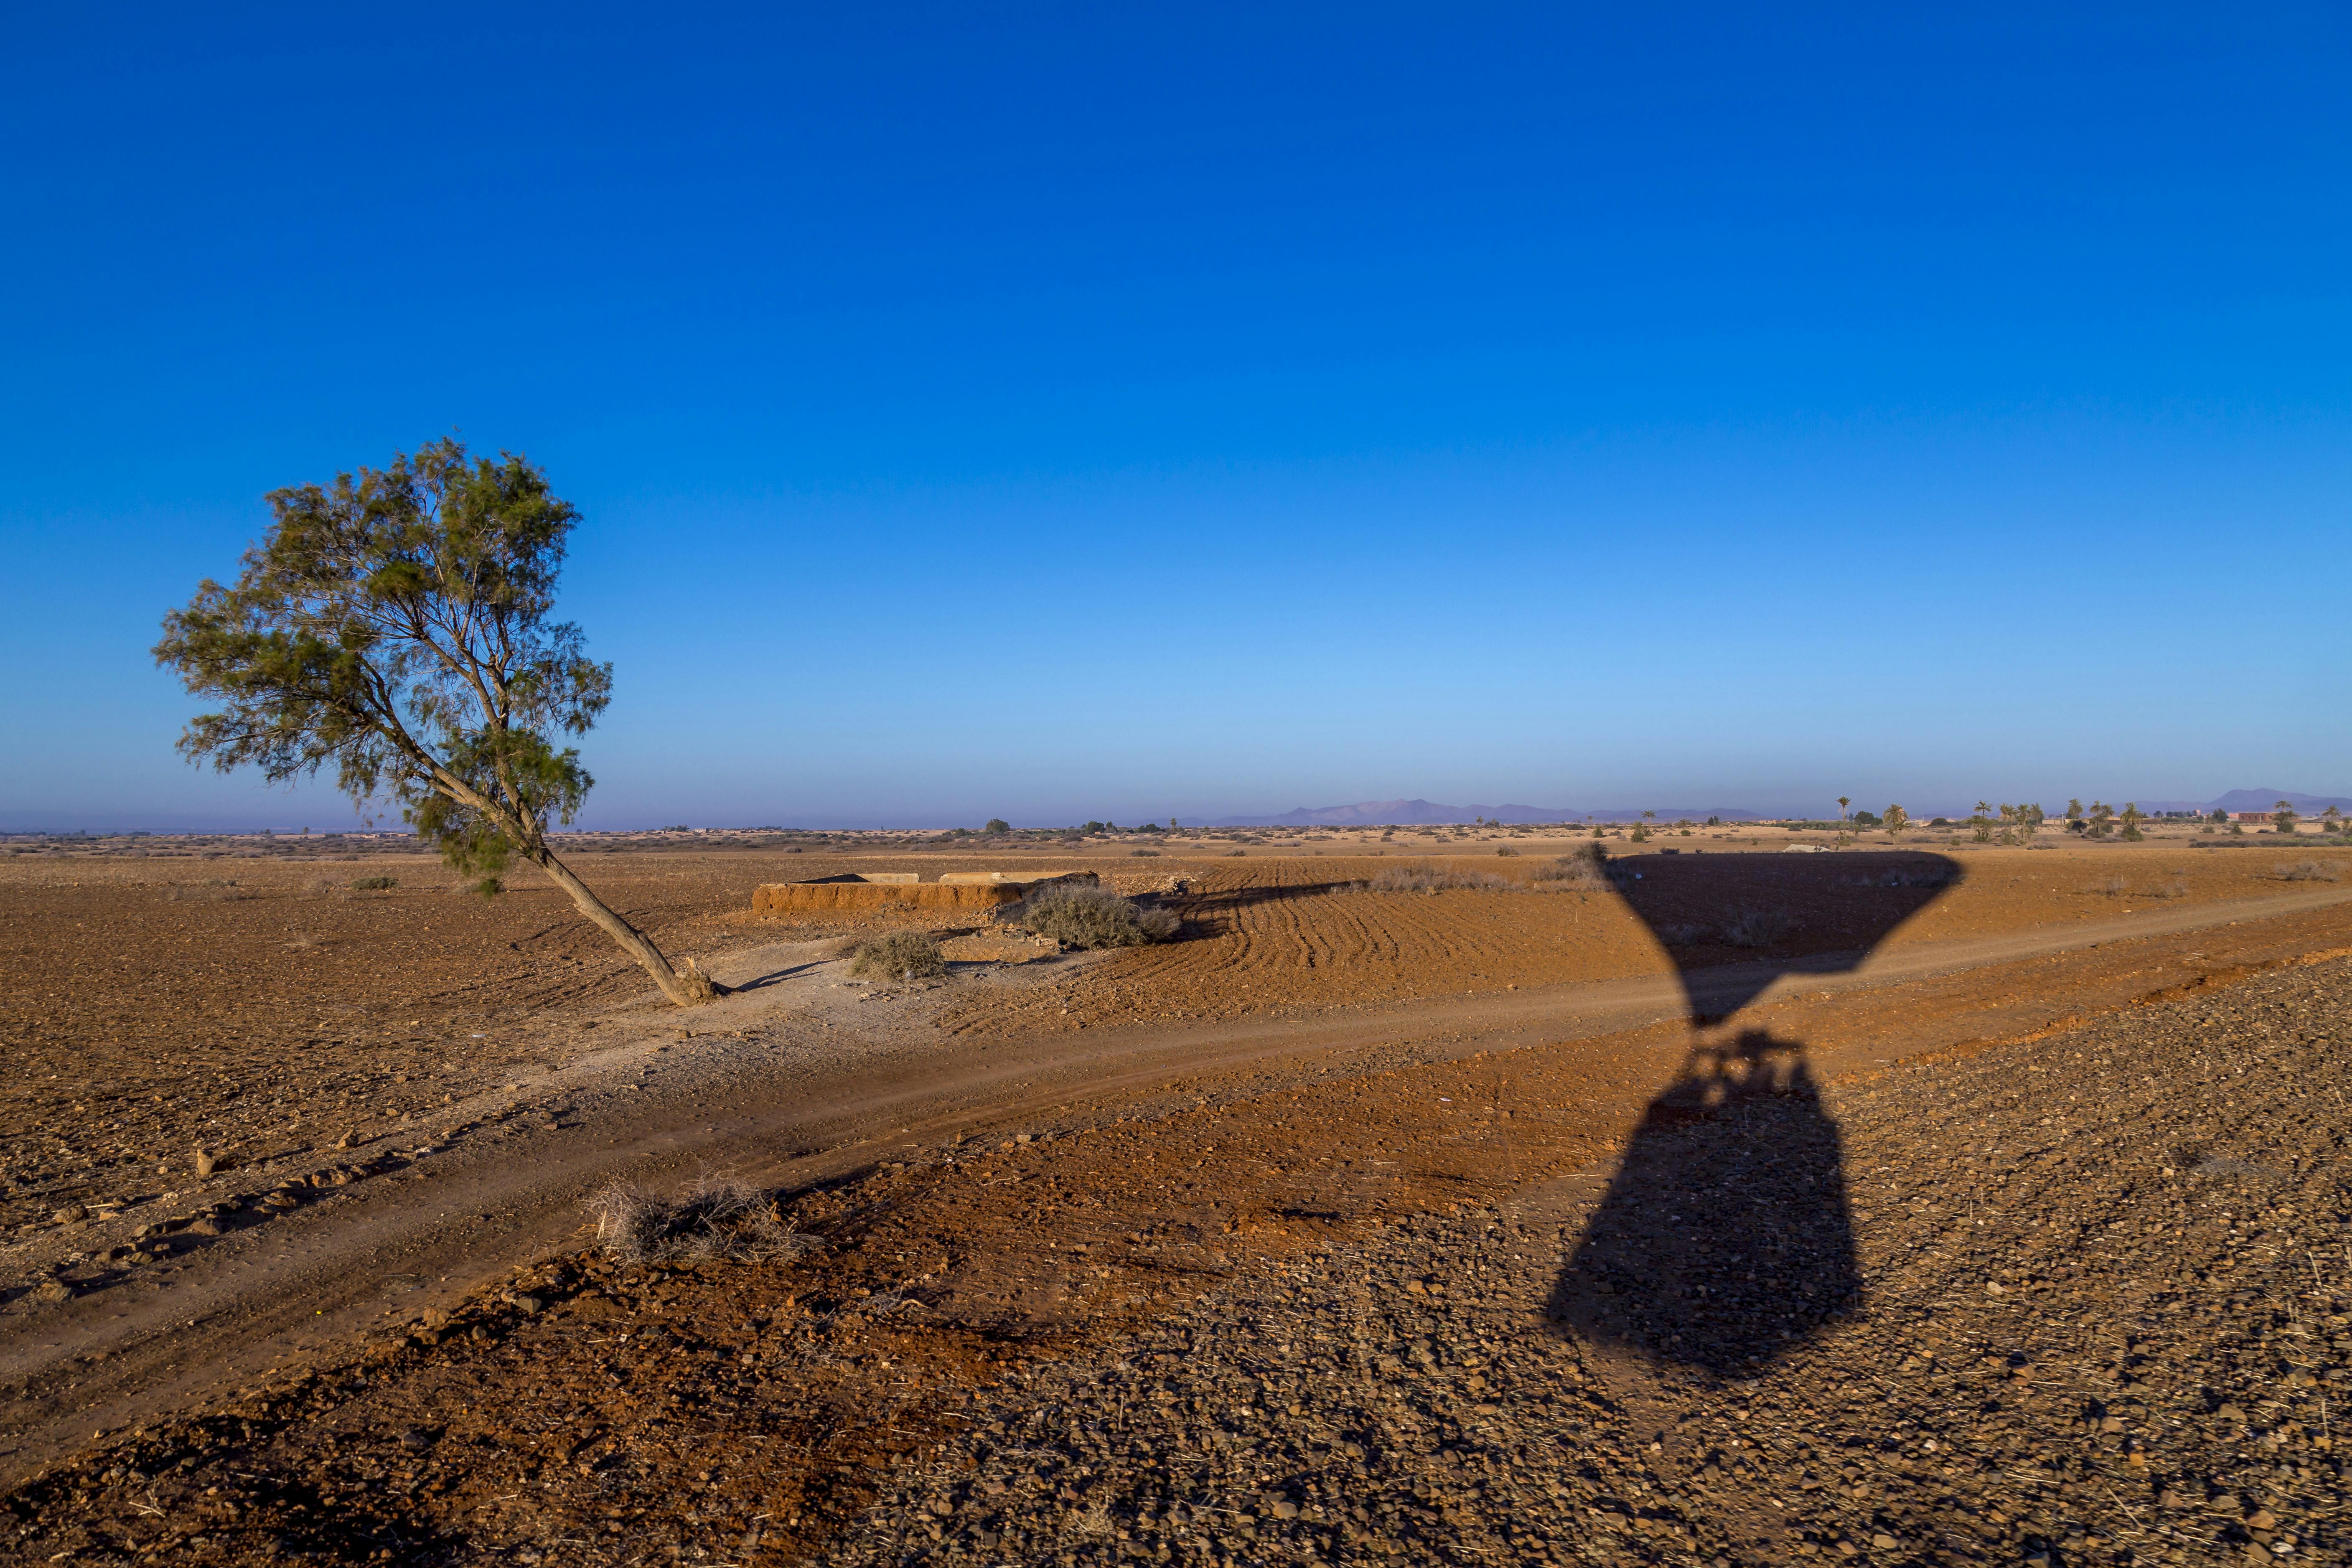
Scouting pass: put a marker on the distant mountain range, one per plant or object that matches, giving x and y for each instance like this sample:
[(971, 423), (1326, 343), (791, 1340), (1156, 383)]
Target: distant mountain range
[(2263, 800), (1429, 813), (2268, 799)]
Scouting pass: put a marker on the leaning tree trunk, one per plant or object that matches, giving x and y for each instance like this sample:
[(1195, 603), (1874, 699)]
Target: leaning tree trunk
[(686, 986)]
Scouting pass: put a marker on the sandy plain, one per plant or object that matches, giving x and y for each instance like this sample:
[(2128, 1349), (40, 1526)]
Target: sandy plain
[(378, 1326)]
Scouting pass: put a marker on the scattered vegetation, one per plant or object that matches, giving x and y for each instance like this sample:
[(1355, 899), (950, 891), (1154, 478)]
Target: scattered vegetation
[(2307, 871), (374, 884), (1587, 870), (211, 890), (1757, 928), (713, 1216), (901, 955), (1434, 879), (1095, 917)]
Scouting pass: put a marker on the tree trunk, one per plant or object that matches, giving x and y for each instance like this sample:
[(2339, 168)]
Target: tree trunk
[(687, 989)]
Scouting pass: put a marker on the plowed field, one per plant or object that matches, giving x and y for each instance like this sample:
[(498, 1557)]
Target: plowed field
[(1391, 1198)]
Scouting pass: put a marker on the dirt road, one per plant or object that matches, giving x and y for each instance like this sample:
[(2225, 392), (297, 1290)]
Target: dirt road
[(799, 1080)]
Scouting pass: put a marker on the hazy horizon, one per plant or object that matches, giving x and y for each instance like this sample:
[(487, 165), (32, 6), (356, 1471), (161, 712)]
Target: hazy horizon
[(327, 821)]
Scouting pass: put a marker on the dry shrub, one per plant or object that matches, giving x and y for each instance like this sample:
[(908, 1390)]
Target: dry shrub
[(1757, 928), (318, 887), (212, 890), (1506, 852), (1585, 870), (1087, 917), (901, 955), (712, 1216), (374, 884), (1432, 880), (1685, 934), (2305, 871), (1145, 854), (1927, 876)]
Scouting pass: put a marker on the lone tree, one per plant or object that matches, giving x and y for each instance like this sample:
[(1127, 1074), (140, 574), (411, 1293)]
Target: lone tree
[(2283, 818), (396, 625), (1897, 820)]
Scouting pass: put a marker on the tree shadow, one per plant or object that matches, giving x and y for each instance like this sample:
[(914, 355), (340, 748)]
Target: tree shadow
[(1724, 1238)]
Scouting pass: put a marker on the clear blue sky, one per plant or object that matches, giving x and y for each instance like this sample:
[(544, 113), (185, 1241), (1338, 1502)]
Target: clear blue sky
[(1106, 411)]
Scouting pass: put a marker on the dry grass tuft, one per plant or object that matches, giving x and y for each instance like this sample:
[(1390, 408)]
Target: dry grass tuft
[(1757, 928), (211, 890), (2305, 871), (713, 1216), (374, 884), (1434, 879), (901, 955), (1586, 870)]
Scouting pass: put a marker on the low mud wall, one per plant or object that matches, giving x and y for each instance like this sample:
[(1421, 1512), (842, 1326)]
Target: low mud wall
[(802, 898), (805, 898)]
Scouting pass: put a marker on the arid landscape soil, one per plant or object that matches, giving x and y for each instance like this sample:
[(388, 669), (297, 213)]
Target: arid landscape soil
[(1935, 1202)]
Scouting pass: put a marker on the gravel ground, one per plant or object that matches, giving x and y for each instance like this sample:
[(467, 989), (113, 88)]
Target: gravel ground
[(2095, 1313)]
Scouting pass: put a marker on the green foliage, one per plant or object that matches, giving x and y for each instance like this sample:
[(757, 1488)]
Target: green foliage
[(2131, 819), (2284, 818), (396, 625), (997, 824)]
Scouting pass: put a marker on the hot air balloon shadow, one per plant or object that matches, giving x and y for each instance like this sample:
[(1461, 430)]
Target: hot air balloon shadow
[(1726, 1237)]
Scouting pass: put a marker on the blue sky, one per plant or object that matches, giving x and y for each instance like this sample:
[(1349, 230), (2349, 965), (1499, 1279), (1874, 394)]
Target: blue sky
[(1111, 412)]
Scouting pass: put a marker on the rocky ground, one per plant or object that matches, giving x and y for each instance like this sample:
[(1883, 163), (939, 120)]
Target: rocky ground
[(2078, 1298), (2099, 1316)]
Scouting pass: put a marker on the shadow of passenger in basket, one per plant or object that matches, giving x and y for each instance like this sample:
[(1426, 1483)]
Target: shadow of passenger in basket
[(1724, 1238)]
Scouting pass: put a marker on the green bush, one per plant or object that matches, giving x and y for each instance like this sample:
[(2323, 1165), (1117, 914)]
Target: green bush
[(1095, 917), (901, 955), (374, 884)]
